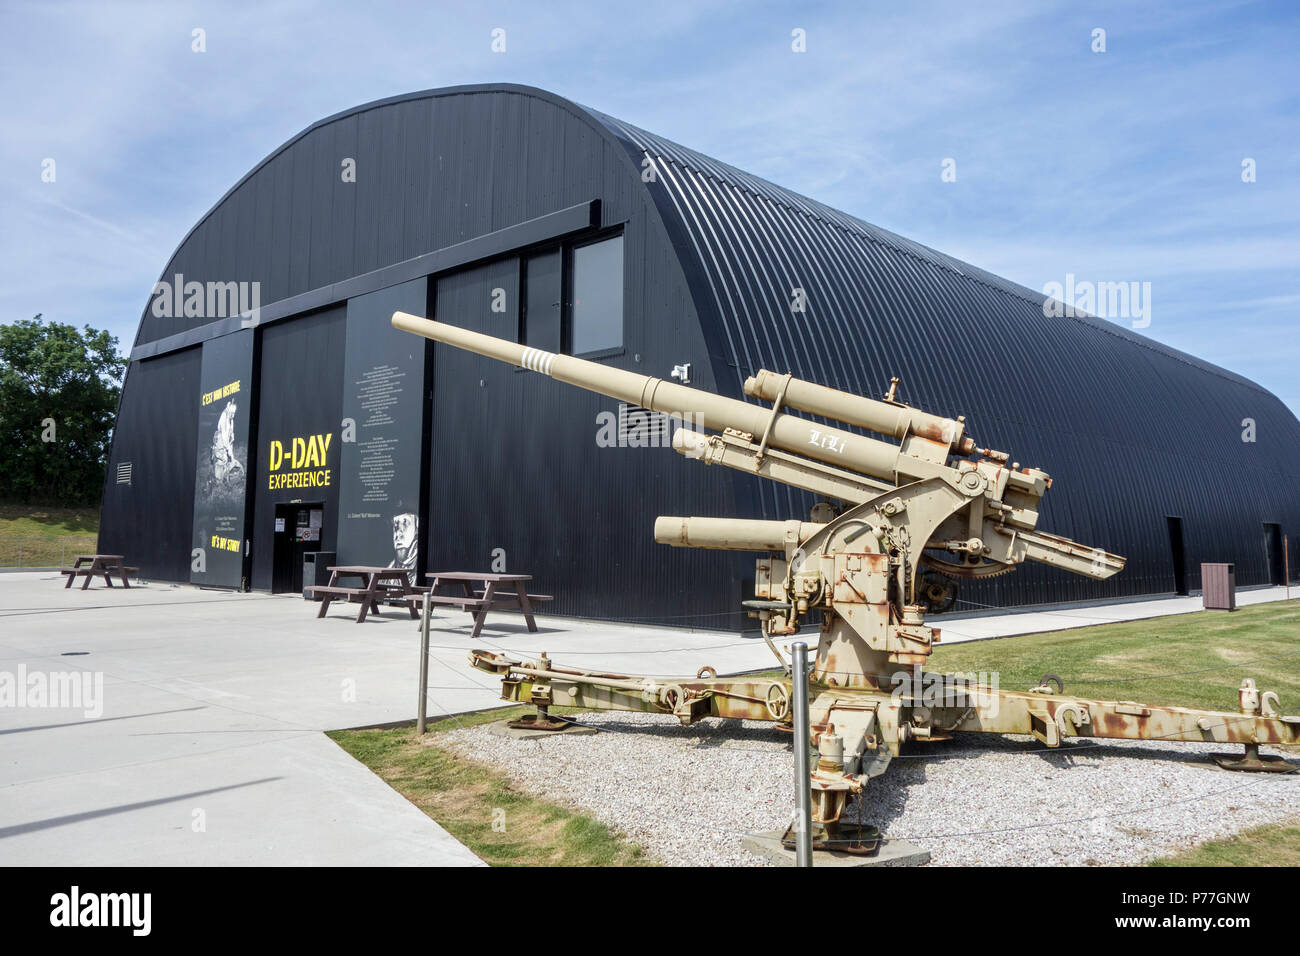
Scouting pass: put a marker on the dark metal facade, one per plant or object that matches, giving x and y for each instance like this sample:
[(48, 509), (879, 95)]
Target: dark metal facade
[(1132, 432)]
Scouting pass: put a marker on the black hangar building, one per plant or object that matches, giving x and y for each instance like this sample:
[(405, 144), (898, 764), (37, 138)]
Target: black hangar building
[(269, 409)]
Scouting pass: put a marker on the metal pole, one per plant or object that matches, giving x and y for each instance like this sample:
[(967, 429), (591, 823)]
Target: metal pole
[(1286, 565), (424, 665), (802, 758)]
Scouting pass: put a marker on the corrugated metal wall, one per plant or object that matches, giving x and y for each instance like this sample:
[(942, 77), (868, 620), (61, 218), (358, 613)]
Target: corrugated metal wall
[(1130, 430), (150, 520)]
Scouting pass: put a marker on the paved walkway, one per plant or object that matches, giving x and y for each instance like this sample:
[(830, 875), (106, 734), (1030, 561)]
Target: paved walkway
[(982, 625), (209, 747)]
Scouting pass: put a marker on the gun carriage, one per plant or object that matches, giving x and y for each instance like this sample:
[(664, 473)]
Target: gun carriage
[(902, 519)]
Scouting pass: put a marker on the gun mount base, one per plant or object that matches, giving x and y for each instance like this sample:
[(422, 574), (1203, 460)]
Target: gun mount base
[(1254, 762), (860, 839), (542, 720)]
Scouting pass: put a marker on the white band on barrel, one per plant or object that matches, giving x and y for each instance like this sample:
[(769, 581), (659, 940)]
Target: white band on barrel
[(538, 361)]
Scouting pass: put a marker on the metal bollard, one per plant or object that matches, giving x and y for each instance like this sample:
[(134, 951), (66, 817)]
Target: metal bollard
[(423, 704), (802, 757)]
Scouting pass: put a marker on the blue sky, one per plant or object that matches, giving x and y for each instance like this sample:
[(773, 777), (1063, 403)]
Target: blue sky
[(1117, 166)]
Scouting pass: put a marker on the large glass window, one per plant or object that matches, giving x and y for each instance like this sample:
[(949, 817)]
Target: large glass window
[(597, 315)]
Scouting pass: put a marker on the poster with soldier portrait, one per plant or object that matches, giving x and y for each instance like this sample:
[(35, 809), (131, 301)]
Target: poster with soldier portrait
[(221, 473)]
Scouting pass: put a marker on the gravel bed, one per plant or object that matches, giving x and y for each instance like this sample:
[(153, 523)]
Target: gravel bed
[(688, 794)]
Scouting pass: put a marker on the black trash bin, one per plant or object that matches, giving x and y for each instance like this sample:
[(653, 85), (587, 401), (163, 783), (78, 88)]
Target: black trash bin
[(315, 570)]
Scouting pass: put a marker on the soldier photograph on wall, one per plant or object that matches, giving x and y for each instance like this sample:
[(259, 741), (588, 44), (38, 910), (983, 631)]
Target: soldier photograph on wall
[(225, 397), (222, 472), (406, 543)]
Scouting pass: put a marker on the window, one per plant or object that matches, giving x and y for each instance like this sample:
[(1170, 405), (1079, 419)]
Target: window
[(481, 298), (597, 312), (542, 301)]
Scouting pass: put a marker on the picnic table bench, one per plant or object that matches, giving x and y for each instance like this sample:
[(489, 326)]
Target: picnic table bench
[(379, 584), (477, 601), (93, 565)]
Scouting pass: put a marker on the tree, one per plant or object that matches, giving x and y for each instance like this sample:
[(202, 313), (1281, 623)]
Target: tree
[(58, 399)]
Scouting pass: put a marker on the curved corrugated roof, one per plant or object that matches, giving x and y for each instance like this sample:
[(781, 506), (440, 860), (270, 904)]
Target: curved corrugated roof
[(1132, 430), (692, 168)]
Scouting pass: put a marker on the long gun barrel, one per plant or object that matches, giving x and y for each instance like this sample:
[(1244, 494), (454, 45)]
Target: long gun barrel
[(824, 443)]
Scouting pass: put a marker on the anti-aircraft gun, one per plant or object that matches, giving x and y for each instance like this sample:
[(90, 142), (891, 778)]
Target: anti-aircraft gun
[(899, 522)]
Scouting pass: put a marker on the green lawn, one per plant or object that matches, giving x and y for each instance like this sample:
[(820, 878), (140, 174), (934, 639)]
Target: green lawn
[(1192, 660), (36, 536), (1264, 846), (479, 806)]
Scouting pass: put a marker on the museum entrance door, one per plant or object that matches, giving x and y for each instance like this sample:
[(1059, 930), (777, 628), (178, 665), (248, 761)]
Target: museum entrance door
[(297, 531)]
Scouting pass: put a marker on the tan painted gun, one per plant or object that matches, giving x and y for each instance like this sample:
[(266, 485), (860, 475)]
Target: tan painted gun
[(901, 520)]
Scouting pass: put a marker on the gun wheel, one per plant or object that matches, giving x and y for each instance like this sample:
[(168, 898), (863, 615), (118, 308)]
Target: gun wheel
[(778, 702), (938, 593)]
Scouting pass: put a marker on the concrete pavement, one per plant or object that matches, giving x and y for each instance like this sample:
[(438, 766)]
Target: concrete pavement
[(205, 745), (984, 624)]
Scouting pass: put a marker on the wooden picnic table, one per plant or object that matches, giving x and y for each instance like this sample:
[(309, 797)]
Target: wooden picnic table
[(478, 601), (380, 584), (92, 565)]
